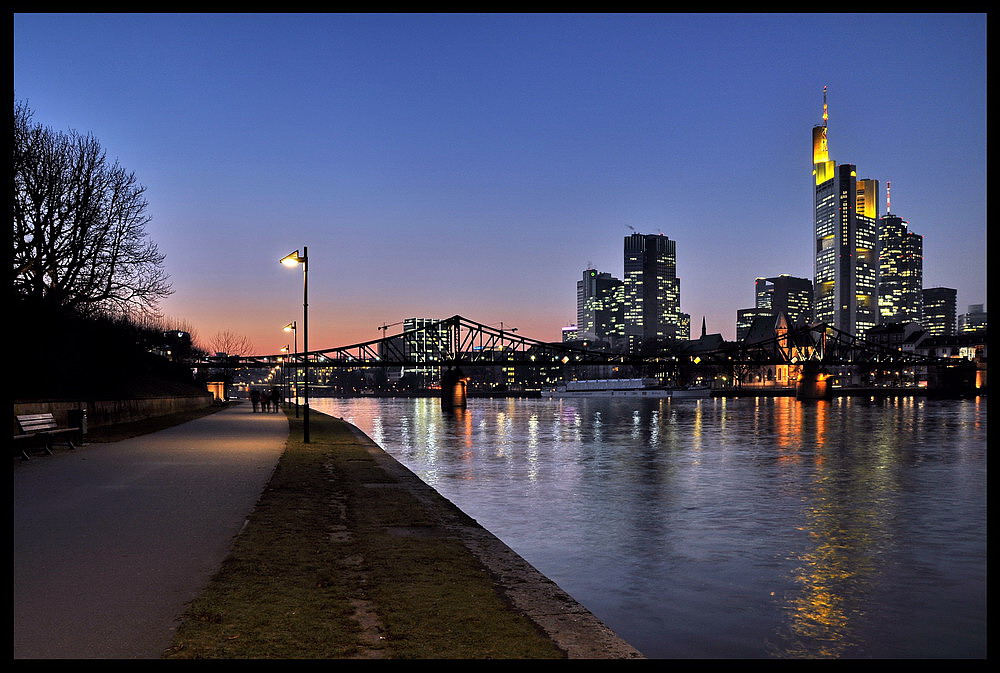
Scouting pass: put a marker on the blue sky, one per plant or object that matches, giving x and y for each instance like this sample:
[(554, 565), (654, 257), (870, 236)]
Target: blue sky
[(476, 164)]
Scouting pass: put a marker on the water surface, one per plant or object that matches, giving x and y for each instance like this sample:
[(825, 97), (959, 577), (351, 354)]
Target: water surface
[(726, 527)]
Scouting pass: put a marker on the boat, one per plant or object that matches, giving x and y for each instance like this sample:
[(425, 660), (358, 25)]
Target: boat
[(626, 388)]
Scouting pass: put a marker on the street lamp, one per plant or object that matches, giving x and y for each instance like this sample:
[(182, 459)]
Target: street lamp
[(291, 260), (293, 328)]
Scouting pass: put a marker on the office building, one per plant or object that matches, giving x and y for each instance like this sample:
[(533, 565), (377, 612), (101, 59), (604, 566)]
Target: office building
[(651, 289), (599, 306), (787, 294), (900, 270), (972, 320), (845, 264), (780, 294), (939, 308)]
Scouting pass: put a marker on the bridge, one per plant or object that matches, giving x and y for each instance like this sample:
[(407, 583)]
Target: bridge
[(814, 351)]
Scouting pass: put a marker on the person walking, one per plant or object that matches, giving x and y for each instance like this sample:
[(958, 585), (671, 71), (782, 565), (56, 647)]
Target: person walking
[(254, 398)]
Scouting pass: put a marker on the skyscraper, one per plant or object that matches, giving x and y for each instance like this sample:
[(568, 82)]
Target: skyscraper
[(845, 270), (900, 270), (786, 293), (780, 294), (652, 289), (939, 307), (599, 306)]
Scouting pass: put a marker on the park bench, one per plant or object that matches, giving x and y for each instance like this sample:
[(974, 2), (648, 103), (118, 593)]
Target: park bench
[(41, 429)]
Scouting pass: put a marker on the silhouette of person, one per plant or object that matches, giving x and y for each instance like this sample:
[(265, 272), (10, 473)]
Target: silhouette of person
[(254, 398), (265, 399), (276, 397)]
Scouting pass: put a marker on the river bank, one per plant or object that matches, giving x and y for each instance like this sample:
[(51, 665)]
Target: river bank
[(349, 555)]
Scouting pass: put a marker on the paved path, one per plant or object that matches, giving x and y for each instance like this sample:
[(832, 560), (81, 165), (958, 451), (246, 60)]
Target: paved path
[(113, 540)]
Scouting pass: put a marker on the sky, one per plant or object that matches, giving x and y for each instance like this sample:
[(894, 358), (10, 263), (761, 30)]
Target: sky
[(476, 164)]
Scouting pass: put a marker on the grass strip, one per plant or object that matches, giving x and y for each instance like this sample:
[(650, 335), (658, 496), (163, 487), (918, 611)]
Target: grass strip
[(338, 561)]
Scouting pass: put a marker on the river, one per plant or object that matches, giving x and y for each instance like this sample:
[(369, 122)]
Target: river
[(726, 527)]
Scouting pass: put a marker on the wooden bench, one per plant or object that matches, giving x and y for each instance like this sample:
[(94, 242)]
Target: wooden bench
[(41, 429)]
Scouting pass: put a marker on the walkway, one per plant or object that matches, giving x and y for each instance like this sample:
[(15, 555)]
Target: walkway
[(111, 541)]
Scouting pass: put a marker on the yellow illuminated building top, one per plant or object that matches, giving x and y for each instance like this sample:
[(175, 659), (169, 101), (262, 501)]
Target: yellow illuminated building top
[(822, 166), (867, 194)]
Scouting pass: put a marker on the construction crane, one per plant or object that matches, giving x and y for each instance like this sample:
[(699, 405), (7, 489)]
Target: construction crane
[(385, 326)]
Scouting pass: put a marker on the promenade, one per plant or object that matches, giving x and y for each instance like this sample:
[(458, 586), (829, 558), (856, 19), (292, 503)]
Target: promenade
[(113, 541)]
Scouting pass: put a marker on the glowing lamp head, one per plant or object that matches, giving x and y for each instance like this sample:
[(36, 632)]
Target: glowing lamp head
[(289, 327), (291, 259)]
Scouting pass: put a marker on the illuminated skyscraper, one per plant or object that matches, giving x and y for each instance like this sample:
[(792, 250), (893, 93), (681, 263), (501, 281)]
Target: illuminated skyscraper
[(599, 306), (846, 210), (780, 294), (940, 306), (787, 294), (900, 270), (652, 289)]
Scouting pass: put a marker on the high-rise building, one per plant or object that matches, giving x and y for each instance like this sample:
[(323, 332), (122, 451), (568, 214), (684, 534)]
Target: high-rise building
[(745, 318), (845, 269), (780, 294), (785, 293), (652, 289), (900, 269), (599, 309), (972, 320), (939, 308), (424, 339)]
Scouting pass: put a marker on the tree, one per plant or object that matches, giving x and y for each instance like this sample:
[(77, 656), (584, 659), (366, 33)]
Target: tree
[(231, 344), (79, 226)]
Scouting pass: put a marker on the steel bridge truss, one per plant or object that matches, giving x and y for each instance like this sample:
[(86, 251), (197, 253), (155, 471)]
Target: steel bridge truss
[(454, 342), (458, 342)]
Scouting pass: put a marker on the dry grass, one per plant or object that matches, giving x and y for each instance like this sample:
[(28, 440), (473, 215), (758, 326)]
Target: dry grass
[(337, 562)]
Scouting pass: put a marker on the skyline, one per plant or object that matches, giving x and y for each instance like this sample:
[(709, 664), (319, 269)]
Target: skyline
[(458, 164)]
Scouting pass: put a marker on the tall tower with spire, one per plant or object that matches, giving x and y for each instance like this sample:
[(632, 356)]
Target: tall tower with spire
[(845, 262), (900, 268)]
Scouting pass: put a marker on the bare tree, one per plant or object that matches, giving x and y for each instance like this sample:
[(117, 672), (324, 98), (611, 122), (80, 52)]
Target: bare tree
[(79, 226), (231, 344)]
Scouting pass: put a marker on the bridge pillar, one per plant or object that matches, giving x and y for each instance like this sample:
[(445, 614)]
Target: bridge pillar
[(813, 384), (453, 389)]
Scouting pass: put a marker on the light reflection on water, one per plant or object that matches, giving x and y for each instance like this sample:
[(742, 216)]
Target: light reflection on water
[(752, 527)]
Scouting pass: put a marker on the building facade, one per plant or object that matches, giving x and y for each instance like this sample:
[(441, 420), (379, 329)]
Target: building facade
[(900, 271), (972, 320), (599, 306), (939, 309), (845, 264), (651, 289), (787, 294)]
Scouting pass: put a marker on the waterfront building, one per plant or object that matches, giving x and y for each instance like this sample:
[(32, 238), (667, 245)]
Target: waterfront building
[(600, 306), (651, 289), (772, 296), (785, 294), (570, 333), (746, 317), (424, 339), (845, 264), (684, 328), (900, 269), (973, 320), (939, 308)]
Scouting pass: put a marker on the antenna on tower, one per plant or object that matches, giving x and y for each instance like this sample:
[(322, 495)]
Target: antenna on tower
[(888, 188), (826, 114)]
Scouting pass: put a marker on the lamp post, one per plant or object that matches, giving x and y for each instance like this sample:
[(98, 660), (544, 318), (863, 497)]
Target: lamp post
[(286, 349), (291, 260), (291, 327)]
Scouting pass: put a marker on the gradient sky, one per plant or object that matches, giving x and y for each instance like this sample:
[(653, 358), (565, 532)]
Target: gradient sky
[(477, 164)]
